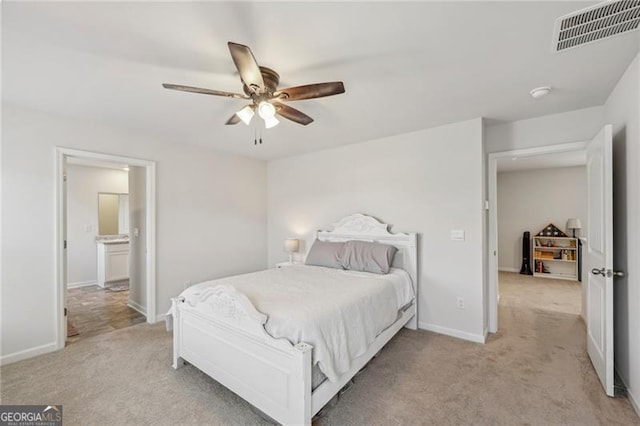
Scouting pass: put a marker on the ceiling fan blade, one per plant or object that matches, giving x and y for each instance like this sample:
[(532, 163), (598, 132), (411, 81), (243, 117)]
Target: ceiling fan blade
[(310, 91), (292, 114), (234, 119), (247, 66), (203, 91)]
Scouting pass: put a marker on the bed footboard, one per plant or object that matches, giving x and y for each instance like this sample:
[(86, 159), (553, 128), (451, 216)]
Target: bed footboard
[(222, 334)]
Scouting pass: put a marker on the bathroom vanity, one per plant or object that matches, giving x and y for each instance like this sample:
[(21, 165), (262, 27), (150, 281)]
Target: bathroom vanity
[(113, 259)]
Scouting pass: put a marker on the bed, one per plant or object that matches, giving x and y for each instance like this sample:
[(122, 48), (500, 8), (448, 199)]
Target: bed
[(219, 326)]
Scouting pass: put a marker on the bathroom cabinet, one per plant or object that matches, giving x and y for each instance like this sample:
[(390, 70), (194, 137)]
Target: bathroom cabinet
[(113, 261)]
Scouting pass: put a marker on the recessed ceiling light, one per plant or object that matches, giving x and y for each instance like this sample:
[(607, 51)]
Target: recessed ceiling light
[(539, 92)]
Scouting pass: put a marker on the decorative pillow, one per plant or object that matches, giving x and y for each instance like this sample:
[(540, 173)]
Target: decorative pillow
[(367, 256), (325, 253)]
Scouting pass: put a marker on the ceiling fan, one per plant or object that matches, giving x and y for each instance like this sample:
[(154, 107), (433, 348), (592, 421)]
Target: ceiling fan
[(260, 86)]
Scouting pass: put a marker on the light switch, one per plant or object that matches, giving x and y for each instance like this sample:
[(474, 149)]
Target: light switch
[(457, 235), (136, 232)]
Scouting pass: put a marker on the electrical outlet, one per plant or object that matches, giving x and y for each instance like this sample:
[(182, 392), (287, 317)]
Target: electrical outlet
[(460, 303), (186, 284)]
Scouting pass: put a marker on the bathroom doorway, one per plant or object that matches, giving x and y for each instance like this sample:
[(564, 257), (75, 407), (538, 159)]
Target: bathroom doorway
[(105, 243), (98, 285)]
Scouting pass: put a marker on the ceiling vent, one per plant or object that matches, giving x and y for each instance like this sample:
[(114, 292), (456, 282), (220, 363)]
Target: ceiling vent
[(594, 23)]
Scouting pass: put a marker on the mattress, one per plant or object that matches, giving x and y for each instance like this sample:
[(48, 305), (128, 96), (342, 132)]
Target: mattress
[(340, 313)]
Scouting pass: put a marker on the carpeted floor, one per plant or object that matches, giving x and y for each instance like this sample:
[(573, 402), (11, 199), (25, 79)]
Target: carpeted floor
[(535, 371)]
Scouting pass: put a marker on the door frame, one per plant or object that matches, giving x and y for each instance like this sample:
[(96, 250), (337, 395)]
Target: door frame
[(492, 181), (61, 154)]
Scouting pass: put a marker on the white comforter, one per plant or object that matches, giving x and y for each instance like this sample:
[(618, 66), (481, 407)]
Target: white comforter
[(339, 312)]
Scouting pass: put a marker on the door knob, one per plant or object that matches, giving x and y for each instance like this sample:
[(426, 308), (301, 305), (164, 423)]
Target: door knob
[(612, 273), (607, 272)]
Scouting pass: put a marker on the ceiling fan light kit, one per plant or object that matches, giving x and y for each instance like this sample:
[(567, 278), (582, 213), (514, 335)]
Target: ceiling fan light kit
[(260, 85), (246, 114), (270, 122), (266, 110)]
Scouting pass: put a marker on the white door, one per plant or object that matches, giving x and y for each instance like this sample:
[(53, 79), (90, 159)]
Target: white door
[(599, 257)]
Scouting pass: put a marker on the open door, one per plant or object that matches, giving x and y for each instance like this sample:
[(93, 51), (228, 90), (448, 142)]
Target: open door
[(599, 257)]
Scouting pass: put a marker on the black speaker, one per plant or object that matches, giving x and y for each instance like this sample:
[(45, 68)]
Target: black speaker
[(526, 254)]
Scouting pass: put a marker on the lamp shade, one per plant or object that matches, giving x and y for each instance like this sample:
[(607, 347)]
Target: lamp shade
[(266, 110), (291, 245), (246, 114), (270, 122), (574, 223)]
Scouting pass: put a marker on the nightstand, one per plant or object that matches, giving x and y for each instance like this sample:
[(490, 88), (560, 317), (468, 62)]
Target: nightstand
[(287, 263)]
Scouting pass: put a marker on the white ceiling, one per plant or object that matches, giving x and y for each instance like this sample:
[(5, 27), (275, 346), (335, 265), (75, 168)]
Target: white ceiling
[(406, 66)]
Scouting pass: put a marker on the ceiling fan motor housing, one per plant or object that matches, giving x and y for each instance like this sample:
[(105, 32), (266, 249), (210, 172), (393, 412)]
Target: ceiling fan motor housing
[(271, 81)]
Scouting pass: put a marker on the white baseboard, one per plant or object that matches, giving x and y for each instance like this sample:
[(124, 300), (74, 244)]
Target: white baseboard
[(137, 307), (507, 269), (28, 353), (478, 338), (160, 317), (82, 284), (635, 402)]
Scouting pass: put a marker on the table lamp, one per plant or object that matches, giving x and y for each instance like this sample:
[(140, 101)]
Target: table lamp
[(574, 224), (291, 245)]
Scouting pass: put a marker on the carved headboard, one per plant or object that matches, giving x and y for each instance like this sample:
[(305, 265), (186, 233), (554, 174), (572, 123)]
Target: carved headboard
[(366, 228)]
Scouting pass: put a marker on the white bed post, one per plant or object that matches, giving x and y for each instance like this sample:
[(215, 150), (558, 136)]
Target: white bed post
[(301, 408), (413, 322), (177, 332), (412, 268)]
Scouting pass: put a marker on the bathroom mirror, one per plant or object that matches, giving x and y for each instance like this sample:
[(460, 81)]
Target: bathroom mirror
[(113, 213)]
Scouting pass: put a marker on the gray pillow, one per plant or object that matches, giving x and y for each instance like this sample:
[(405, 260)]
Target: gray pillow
[(325, 253), (367, 256)]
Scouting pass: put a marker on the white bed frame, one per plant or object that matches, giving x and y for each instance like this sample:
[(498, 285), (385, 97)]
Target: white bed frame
[(223, 335)]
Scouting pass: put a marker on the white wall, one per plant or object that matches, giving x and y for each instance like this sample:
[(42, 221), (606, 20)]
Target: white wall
[(623, 112), (428, 182), (572, 126), (83, 185), (530, 199), (211, 216)]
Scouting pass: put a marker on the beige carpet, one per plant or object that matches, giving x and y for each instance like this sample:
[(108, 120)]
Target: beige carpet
[(534, 372)]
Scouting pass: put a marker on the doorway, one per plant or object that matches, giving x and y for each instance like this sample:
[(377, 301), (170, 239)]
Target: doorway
[(535, 157), (122, 222), (542, 195), (598, 253), (101, 296)]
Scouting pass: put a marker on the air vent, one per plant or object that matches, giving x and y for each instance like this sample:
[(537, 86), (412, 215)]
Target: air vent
[(594, 23)]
